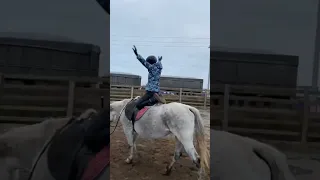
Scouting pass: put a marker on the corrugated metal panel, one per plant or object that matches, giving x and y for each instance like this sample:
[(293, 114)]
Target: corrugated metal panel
[(20, 54), (125, 79), (180, 82), (264, 58), (254, 69)]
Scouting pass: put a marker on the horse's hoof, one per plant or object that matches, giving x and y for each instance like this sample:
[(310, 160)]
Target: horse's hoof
[(197, 163), (139, 155), (128, 161), (167, 171)]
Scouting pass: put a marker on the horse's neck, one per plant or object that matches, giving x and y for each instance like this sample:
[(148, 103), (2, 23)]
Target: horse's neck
[(158, 104)]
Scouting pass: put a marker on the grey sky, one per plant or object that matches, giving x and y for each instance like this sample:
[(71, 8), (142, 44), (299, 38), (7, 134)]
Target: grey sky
[(179, 30)]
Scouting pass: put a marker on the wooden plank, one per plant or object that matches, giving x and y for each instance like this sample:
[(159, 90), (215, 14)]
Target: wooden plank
[(246, 120), (263, 131), (313, 135), (121, 96), (92, 90), (265, 89), (31, 108), (33, 98), (193, 103), (35, 87), (263, 99), (121, 93), (193, 98), (265, 110), (57, 78), (22, 120)]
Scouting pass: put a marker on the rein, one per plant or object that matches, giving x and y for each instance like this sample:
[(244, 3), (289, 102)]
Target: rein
[(46, 145), (118, 119)]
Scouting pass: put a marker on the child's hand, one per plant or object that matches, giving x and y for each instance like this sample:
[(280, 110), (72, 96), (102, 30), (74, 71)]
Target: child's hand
[(135, 50)]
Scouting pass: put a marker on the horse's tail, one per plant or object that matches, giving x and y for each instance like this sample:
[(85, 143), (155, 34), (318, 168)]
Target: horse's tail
[(275, 159), (270, 160), (202, 143)]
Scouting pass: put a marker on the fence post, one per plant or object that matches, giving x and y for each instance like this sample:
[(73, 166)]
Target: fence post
[(70, 107), (1, 83), (305, 117), (97, 85), (205, 99), (225, 120), (102, 102), (180, 95), (131, 93)]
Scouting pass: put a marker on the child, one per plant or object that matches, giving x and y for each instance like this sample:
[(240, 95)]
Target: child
[(154, 67)]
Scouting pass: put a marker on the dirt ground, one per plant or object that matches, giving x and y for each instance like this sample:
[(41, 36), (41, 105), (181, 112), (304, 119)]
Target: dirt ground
[(156, 154), (154, 157), (304, 162)]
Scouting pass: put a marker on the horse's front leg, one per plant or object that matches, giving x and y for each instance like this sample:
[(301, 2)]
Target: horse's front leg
[(131, 138), (130, 158)]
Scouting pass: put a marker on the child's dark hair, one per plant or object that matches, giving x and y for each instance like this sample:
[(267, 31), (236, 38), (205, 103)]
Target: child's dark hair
[(151, 59)]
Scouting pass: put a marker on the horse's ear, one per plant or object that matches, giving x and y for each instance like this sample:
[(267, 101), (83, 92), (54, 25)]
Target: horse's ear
[(136, 97), (87, 114)]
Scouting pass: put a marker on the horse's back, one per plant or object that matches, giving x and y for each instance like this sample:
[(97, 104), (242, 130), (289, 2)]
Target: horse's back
[(230, 160)]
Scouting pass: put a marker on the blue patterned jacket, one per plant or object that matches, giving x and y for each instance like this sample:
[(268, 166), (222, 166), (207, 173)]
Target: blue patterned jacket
[(154, 74)]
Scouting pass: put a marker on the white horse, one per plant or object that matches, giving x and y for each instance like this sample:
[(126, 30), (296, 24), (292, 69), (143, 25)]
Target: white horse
[(237, 157), (181, 120), (23, 151)]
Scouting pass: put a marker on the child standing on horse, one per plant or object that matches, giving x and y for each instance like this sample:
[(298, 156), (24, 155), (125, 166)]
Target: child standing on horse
[(154, 68)]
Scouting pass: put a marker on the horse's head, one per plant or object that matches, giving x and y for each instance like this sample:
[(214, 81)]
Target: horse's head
[(116, 107)]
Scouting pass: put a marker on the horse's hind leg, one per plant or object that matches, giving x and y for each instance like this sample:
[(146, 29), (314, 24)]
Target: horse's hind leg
[(187, 142), (176, 156)]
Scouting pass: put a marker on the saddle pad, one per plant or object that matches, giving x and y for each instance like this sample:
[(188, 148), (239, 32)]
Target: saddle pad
[(97, 164), (142, 112)]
